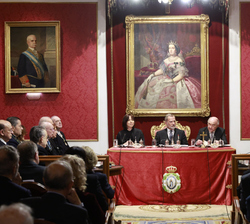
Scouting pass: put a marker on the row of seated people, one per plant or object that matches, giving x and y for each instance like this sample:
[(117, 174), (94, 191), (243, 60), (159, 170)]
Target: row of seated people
[(52, 140), (170, 133), (75, 191)]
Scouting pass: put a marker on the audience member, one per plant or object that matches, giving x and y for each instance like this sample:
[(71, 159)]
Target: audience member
[(21, 137), (5, 132), (17, 130), (48, 119), (16, 213), (248, 208), (51, 145), (9, 191), (212, 131), (171, 133), (244, 191), (93, 184), (60, 137), (38, 135), (29, 160), (129, 131), (91, 161), (96, 215), (61, 203), (45, 119)]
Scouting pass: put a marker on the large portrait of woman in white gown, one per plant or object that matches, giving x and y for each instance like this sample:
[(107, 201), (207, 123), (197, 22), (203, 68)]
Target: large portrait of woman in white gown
[(167, 65)]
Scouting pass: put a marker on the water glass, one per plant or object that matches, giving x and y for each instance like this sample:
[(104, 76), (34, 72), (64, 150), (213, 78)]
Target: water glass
[(192, 142), (115, 143), (154, 142), (166, 142)]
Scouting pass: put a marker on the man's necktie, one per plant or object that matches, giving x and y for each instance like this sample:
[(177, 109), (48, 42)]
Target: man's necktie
[(170, 135), (49, 145), (212, 137)]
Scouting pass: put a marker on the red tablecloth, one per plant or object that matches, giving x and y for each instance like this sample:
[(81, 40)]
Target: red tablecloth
[(204, 175)]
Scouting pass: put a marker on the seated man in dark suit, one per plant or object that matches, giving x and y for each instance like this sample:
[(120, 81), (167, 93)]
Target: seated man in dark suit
[(245, 191), (16, 213), (60, 137), (61, 203), (93, 184), (5, 132), (10, 192), (38, 135), (171, 133), (51, 132), (17, 130), (29, 160), (212, 131)]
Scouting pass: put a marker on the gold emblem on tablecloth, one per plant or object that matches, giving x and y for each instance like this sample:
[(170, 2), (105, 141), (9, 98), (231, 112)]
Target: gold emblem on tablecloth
[(171, 181)]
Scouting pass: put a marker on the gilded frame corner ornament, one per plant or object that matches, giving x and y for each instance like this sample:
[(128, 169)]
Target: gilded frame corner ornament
[(146, 44), (47, 34)]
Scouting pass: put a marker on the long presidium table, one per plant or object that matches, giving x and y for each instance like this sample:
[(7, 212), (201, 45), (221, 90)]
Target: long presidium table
[(204, 175)]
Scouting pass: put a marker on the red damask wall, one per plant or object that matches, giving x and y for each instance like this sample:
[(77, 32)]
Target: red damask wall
[(245, 68), (76, 105), (218, 79)]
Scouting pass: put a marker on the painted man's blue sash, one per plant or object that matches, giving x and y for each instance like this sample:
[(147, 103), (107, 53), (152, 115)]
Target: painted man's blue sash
[(35, 61)]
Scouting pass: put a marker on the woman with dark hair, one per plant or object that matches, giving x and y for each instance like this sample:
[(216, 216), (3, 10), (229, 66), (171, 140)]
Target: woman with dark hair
[(129, 132), (170, 86)]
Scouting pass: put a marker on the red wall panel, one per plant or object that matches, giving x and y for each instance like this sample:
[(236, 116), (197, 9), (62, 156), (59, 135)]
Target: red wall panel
[(245, 68), (76, 105)]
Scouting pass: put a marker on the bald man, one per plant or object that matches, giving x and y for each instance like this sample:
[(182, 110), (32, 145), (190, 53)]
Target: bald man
[(32, 70), (212, 131), (45, 119), (60, 139), (16, 213), (6, 132), (61, 203), (51, 146), (55, 142)]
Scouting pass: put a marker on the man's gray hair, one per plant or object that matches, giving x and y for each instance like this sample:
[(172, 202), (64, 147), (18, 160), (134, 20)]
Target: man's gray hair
[(168, 115)]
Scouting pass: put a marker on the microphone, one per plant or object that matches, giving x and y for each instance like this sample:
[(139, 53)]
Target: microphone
[(162, 142)]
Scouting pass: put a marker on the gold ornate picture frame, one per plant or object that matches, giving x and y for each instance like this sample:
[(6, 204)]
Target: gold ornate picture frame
[(31, 70), (167, 65)]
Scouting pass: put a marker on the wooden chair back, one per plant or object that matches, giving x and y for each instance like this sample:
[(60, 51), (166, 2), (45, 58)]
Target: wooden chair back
[(35, 188), (239, 217), (103, 158), (49, 159), (109, 213), (236, 214)]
